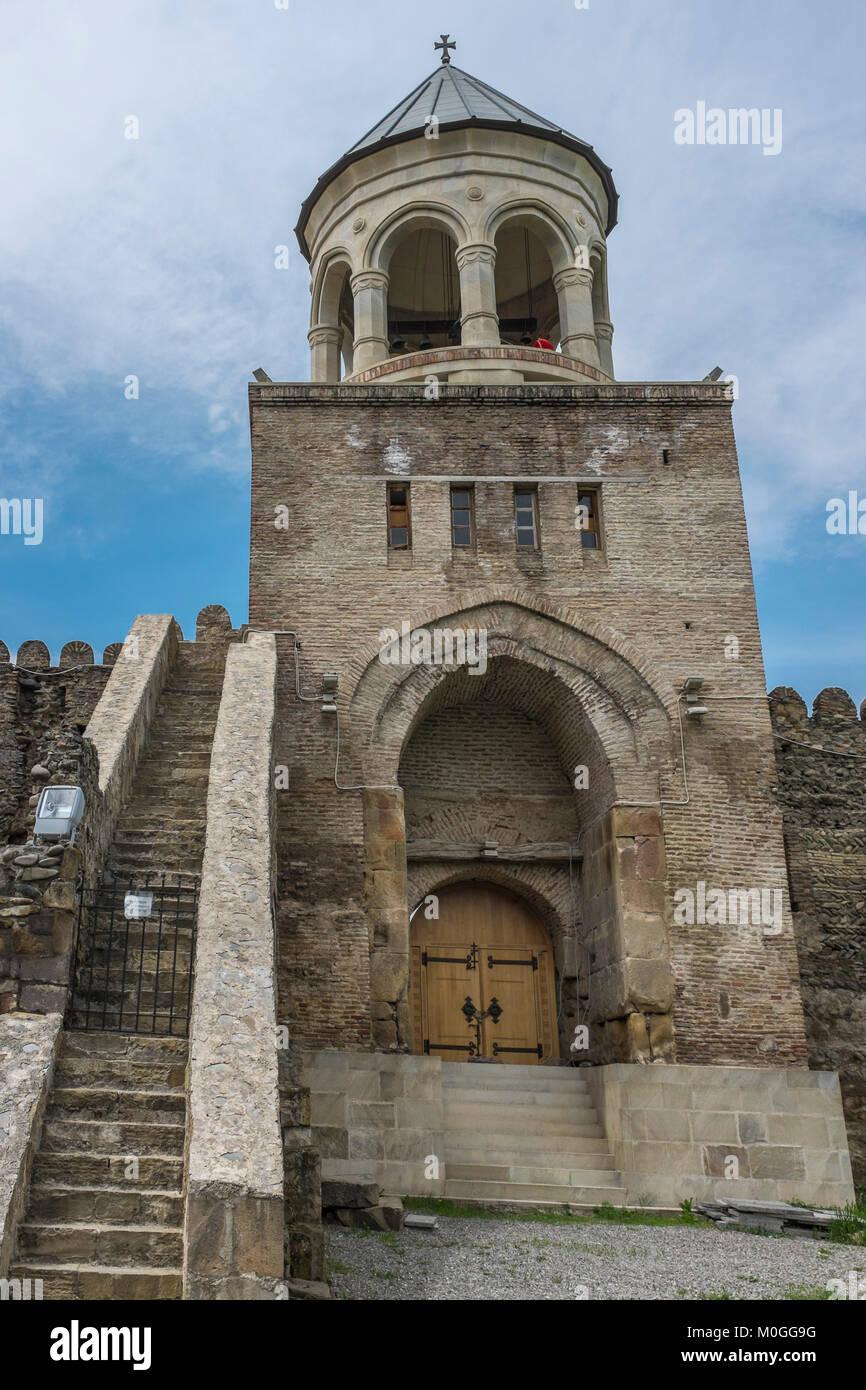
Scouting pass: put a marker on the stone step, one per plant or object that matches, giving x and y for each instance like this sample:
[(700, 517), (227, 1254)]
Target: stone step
[(115, 1013), (475, 1076), (92, 1103), (109, 984), (599, 1176), (150, 864), (86, 1242), (138, 1206), (515, 1071), (155, 1171), (526, 1102), (116, 1136), (101, 1282), (161, 954), (175, 1026), (194, 741), (516, 1192), (141, 824), (120, 1073), (133, 1046), (500, 1119), (581, 1155), (137, 944)]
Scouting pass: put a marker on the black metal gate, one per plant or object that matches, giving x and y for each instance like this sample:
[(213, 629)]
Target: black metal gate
[(134, 956)]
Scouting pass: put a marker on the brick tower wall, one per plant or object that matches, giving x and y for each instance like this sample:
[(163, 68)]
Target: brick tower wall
[(673, 582)]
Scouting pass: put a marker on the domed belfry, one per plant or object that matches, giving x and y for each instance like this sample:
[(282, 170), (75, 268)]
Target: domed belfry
[(458, 232), (524, 804)]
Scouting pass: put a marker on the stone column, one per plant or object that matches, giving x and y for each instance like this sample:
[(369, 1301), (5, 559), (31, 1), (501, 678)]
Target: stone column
[(386, 898), (576, 324), (370, 291), (604, 336), (479, 322), (624, 892), (325, 352)]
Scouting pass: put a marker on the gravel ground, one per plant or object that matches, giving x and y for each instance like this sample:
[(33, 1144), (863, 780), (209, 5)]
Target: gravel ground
[(469, 1258)]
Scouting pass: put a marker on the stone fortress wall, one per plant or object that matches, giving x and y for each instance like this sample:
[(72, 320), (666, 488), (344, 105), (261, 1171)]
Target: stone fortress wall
[(821, 762)]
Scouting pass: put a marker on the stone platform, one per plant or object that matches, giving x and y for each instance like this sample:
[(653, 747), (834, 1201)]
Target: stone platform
[(560, 1136)]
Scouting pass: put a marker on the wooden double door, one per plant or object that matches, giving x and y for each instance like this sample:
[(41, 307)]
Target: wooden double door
[(482, 978)]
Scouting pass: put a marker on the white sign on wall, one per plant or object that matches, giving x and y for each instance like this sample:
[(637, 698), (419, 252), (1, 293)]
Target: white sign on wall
[(137, 905)]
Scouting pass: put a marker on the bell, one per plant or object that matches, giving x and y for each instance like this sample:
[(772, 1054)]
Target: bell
[(398, 344), (425, 343)]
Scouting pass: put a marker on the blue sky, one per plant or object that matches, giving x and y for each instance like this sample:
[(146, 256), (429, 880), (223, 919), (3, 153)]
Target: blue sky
[(155, 257)]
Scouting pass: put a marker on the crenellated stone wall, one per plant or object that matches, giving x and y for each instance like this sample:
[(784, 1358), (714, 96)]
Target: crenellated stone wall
[(821, 764), (81, 725), (41, 705)]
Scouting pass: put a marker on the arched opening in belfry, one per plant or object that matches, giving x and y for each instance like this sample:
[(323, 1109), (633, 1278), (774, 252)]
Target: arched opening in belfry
[(333, 323), (600, 310), (526, 300), (346, 323), (423, 292)]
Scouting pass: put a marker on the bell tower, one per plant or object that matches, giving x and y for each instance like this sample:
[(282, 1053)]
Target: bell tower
[(455, 239)]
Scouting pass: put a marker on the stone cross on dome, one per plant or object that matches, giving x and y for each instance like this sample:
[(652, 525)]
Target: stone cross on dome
[(445, 45)]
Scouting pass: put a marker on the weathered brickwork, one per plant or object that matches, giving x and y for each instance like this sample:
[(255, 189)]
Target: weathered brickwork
[(599, 645), (821, 765)]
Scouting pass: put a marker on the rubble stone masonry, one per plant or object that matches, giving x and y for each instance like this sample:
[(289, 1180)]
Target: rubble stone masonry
[(821, 764)]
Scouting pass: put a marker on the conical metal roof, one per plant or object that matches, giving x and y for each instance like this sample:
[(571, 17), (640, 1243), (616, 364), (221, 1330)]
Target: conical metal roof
[(457, 99)]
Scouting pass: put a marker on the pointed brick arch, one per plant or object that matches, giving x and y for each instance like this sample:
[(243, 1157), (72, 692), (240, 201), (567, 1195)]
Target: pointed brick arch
[(607, 690)]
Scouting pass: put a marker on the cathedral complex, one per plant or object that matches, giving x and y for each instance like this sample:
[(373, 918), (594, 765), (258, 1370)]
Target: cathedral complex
[(478, 863)]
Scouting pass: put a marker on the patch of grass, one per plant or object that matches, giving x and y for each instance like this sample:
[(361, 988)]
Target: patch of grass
[(849, 1225), (631, 1216), (390, 1239), (445, 1206), (384, 1274), (337, 1267), (723, 1296), (623, 1216)]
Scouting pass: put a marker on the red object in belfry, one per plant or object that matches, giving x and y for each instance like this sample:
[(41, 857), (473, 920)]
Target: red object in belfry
[(543, 343)]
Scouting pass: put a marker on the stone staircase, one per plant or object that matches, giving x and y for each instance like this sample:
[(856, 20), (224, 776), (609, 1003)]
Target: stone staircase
[(105, 1209), (162, 827), (525, 1134), (137, 975)]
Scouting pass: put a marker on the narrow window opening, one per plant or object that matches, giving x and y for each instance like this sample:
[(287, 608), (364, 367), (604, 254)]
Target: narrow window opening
[(399, 527), (462, 517), (526, 518), (590, 529)]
